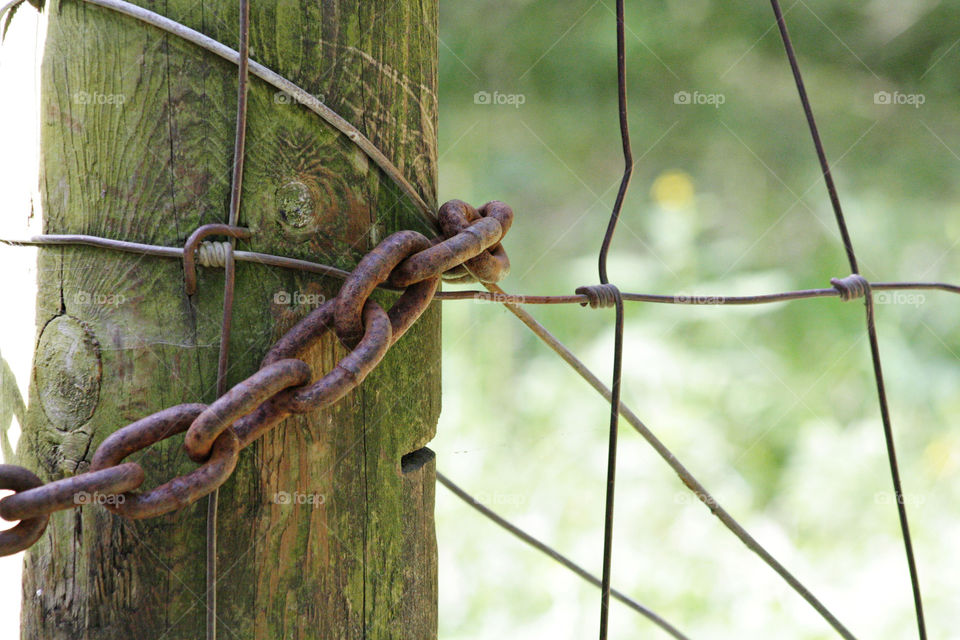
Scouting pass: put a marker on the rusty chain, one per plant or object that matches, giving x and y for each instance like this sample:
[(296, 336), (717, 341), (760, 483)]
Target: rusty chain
[(469, 249)]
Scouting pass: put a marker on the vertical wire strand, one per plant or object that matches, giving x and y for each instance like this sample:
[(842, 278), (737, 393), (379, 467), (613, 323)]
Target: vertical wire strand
[(236, 186), (871, 323), (625, 140), (606, 577), (618, 328), (894, 467), (815, 134)]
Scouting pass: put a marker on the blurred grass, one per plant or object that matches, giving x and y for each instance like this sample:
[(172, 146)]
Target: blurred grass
[(774, 407)]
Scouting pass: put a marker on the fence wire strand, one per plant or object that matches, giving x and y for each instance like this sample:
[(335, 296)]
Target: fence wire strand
[(266, 259), (618, 325), (226, 321), (870, 317)]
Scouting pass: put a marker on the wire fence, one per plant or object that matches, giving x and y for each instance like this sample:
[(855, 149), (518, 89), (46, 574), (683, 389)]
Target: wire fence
[(851, 287), (602, 295)]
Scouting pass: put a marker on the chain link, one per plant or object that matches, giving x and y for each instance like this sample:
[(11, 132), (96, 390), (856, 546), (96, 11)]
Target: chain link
[(282, 386), (28, 531), (490, 264)]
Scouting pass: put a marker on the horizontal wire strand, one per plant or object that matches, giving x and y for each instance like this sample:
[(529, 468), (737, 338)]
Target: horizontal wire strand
[(482, 296)]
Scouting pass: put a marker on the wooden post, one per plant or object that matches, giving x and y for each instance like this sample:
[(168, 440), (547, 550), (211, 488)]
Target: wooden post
[(323, 533)]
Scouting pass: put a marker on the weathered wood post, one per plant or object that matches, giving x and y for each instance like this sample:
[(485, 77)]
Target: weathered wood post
[(323, 533)]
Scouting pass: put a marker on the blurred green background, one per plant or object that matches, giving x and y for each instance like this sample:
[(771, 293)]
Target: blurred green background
[(773, 408)]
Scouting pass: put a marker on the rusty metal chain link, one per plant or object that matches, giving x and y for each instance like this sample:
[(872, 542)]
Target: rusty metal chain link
[(29, 530), (284, 384), (490, 265)]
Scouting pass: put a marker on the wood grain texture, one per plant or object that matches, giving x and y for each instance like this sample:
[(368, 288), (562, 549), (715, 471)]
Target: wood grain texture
[(322, 535)]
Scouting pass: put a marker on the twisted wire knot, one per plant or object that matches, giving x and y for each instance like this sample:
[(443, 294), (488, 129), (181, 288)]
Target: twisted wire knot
[(207, 254), (852, 287), (212, 254), (599, 296)]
